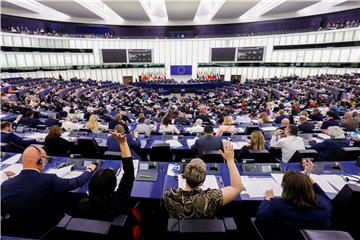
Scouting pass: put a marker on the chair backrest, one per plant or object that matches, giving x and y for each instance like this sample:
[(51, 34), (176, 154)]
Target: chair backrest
[(346, 209), (250, 129), (87, 146), (261, 156), (161, 152), (226, 134), (325, 234), (85, 130), (306, 153), (348, 154), (212, 157)]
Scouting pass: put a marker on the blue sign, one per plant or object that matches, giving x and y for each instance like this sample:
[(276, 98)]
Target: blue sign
[(181, 70)]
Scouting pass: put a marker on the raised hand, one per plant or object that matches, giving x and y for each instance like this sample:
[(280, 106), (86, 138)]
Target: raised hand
[(228, 153), (121, 138)]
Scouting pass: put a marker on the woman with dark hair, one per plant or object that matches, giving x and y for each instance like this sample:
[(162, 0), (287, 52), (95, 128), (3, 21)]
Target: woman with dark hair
[(167, 127), (302, 205), (55, 144), (104, 202)]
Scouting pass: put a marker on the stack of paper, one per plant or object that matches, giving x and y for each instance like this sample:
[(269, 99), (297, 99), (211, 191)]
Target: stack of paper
[(322, 181), (210, 182), (271, 128), (37, 135), (12, 160), (256, 187), (323, 135), (16, 168), (238, 145), (174, 143)]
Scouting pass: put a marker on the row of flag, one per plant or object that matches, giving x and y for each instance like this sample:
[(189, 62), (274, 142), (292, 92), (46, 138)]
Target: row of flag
[(152, 76), (208, 75)]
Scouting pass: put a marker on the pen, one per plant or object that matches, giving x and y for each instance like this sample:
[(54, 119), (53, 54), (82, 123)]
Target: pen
[(145, 176)]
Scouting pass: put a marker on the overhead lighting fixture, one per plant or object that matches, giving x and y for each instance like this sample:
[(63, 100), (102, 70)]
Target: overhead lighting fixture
[(323, 5), (155, 9), (207, 10), (100, 9), (261, 8), (35, 6)]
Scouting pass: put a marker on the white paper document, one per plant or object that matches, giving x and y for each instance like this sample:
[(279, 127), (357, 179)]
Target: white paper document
[(238, 145), (271, 128), (2, 115), (121, 172), (323, 136), (210, 182), (37, 135), (240, 130), (12, 160), (61, 172), (277, 177), (322, 181), (143, 143), (16, 168), (174, 143), (191, 142), (256, 187)]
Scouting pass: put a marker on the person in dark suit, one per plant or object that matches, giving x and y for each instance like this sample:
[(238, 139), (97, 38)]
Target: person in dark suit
[(281, 116), (7, 136), (208, 142), (117, 119), (104, 202), (28, 119), (132, 140), (305, 126), (182, 120), (329, 121), (55, 144), (329, 147), (302, 205), (316, 115), (52, 121), (31, 199)]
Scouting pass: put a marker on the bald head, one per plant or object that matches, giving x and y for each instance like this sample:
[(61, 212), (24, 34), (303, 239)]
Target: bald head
[(348, 115), (31, 156), (285, 122)]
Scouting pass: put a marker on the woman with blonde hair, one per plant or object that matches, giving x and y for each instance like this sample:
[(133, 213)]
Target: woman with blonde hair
[(226, 126), (93, 124), (256, 142), (263, 118)]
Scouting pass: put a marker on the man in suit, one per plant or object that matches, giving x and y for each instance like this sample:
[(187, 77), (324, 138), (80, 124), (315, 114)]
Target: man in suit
[(349, 123), (28, 119), (208, 142), (305, 126), (132, 140), (316, 115), (118, 120), (281, 116), (52, 120), (7, 136), (30, 201), (329, 121)]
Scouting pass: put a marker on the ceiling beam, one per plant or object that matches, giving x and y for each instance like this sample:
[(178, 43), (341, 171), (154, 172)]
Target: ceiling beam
[(100, 9), (37, 7), (261, 8), (207, 10), (155, 9)]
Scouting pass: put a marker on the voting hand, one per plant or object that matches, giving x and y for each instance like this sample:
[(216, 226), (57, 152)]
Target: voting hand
[(228, 153), (121, 138)]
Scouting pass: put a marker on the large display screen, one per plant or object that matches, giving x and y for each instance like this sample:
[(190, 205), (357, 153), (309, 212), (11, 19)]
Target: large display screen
[(222, 54), (140, 55), (114, 55), (250, 54)]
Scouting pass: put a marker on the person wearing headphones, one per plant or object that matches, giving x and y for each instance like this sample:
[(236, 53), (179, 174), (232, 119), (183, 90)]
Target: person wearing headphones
[(30, 201)]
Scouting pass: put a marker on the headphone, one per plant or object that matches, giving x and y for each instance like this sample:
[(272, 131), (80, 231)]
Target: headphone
[(39, 161), (351, 178)]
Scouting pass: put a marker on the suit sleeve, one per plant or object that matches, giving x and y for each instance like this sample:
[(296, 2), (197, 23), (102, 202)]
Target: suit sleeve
[(319, 146), (133, 143), (19, 141), (266, 211), (121, 197), (65, 185)]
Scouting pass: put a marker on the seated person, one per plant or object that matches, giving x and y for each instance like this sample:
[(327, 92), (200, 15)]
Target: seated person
[(208, 142), (7, 136), (94, 125), (257, 142), (192, 201), (288, 141), (329, 147), (280, 116), (31, 200), (104, 202), (329, 121), (302, 205), (69, 125), (52, 121), (28, 119), (132, 140), (144, 126), (305, 126), (166, 127), (197, 127), (316, 115), (181, 119), (117, 119), (226, 127), (263, 118), (55, 144), (284, 123), (349, 123)]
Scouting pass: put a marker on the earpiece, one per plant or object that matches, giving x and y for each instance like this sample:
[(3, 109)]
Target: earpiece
[(39, 161)]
